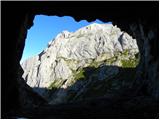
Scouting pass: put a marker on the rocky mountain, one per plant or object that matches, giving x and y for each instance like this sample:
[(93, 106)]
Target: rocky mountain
[(94, 61)]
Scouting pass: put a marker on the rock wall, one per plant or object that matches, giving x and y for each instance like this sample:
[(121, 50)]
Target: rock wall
[(146, 39), (17, 17), (102, 49)]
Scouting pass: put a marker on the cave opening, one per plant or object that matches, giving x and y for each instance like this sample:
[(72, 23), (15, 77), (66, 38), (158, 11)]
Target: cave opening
[(143, 97), (103, 68)]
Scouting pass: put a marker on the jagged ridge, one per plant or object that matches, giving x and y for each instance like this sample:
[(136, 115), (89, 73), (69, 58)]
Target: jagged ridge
[(60, 71)]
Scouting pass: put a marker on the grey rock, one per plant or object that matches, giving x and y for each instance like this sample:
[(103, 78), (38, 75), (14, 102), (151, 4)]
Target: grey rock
[(68, 52)]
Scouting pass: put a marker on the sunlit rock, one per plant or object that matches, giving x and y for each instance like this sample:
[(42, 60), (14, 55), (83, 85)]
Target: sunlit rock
[(75, 64)]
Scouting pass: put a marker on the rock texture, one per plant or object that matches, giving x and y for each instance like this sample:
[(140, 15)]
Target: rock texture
[(73, 62)]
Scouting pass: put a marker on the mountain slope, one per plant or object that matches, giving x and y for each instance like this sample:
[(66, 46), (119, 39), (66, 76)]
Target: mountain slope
[(85, 64)]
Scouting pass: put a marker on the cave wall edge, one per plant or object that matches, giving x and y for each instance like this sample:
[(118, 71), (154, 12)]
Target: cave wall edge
[(140, 22)]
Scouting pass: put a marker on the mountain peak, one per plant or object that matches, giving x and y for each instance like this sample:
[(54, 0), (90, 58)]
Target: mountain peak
[(65, 60), (95, 27), (63, 34)]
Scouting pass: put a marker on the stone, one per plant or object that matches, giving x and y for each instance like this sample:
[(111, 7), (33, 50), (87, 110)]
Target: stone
[(62, 63)]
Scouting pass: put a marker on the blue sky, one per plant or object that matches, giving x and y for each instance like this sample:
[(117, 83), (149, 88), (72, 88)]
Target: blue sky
[(45, 29)]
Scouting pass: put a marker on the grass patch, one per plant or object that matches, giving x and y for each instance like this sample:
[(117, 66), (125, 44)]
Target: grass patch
[(131, 63), (55, 84), (126, 52), (79, 75)]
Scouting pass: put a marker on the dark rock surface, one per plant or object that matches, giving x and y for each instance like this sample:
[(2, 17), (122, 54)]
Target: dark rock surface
[(139, 19)]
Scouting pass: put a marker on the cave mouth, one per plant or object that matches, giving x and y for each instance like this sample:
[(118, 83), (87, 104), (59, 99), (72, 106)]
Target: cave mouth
[(135, 15), (63, 87)]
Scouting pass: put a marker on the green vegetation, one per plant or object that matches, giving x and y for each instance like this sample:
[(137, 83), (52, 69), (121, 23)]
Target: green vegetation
[(111, 60), (79, 75), (94, 64), (125, 53), (100, 88), (131, 63), (55, 84), (113, 84)]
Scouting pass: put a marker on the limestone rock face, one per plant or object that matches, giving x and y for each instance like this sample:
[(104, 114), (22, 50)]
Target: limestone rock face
[(74, 65)]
